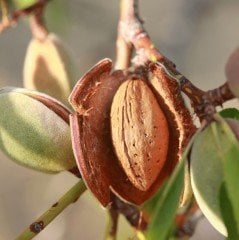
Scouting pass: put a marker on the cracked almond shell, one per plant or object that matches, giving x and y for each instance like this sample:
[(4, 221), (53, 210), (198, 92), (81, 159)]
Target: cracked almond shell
[(92, 140)]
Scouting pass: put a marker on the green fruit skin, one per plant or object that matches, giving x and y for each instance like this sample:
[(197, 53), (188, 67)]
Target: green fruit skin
[(34, 135), (206, 172), (232, 72)]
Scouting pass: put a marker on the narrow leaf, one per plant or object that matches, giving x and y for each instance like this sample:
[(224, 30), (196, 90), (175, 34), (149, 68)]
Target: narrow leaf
[(168, 202), (230, 113), (227, 214)]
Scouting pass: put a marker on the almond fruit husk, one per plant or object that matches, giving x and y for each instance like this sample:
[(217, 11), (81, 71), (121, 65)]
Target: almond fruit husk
[(48, 68), (34, 130), (93, 146)]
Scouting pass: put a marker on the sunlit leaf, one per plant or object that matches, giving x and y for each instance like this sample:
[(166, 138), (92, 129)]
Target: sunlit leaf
[(230, 113), (24, 3), (150, 205), (227, 214), (168, 201)]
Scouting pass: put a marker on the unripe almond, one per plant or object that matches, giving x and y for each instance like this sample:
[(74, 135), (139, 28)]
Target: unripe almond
[(48, 68), (140, 133), (34, 130)]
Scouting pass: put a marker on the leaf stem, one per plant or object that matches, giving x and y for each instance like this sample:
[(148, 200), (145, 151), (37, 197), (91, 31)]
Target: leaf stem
[(69, 197), (16, 15)]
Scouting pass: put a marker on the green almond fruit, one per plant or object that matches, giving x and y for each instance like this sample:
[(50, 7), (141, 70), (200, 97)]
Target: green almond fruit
[(34, 130), (208, 154), (48, 68), (232, 72)]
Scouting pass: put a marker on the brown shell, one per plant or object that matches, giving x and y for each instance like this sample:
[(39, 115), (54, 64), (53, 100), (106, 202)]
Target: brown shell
[(91, 136), (139, 132)]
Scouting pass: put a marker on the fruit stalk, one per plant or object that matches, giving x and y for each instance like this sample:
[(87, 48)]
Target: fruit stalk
[(16, 15)]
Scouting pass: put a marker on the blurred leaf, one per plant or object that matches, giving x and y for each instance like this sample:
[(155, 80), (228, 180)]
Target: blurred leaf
[(58, 16), (231, 169), (32, 134), (57, 13), (230, 113), (167, 204), (187, 190), (24, 3), (227, 214)]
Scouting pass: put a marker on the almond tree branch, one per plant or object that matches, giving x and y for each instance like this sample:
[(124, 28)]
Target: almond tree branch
[(16, 15), (123, 48), (111, 230), (69, 197), (132, 30)]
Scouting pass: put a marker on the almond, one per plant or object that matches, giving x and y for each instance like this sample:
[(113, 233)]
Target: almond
[(139, 132)]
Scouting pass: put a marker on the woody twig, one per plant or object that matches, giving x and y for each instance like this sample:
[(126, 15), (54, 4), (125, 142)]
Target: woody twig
[(132, 31), (15, 16)]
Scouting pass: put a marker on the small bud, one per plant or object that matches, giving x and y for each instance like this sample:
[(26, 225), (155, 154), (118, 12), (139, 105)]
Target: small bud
[(34, 130), (48, 68)]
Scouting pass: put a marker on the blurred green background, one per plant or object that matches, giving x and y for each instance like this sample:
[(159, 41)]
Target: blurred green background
[(198, 36)]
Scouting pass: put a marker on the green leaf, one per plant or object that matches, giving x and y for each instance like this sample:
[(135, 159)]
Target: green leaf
[(150, 205), (32, 133), (214, 159), (230, 113), (227, 214), (167, 206), (231, 170), (168, 202)]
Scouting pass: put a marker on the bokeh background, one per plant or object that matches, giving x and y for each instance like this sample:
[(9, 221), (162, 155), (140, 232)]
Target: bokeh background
[(197, 35)]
